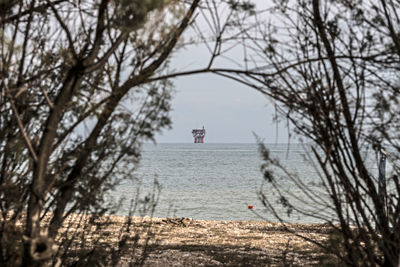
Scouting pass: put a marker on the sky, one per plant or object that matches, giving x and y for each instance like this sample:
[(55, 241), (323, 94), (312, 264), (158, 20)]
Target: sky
[(229, 111)]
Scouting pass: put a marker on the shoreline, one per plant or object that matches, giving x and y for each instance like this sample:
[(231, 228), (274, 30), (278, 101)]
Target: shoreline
[(190, 242)]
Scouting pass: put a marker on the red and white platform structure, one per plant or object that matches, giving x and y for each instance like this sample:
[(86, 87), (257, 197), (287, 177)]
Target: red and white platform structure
[(199, 135)]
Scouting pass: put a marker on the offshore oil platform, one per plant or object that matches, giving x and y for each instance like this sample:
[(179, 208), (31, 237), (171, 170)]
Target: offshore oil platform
[(199, 135)]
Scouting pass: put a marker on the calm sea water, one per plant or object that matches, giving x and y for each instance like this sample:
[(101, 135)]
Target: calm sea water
[(215, 181)]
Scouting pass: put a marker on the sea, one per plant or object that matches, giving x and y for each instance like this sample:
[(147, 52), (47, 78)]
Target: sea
[(213, 181)]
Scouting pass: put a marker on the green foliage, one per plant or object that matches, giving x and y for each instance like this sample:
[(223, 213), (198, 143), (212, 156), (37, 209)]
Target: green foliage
[(331, 69), (133, 14), (6, 6), (75, 113), (242, 5)]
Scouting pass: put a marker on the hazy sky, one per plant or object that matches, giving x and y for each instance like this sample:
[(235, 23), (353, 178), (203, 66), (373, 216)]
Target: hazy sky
[(229, 111)]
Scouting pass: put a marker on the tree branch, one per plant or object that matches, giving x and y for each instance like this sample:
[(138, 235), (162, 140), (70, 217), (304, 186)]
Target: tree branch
[(21, 127)]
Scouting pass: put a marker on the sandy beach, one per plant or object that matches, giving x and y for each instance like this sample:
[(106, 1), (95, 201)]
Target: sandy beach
[(188, 242)]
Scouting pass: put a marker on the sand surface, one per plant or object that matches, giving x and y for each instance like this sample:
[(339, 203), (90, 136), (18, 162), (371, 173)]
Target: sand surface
[(188, 242)]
